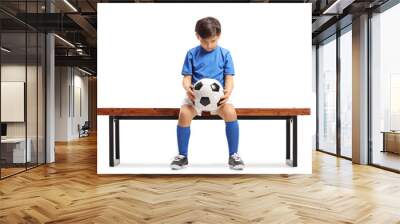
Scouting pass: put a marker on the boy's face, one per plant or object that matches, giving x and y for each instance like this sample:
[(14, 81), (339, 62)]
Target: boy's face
[(208, 44)]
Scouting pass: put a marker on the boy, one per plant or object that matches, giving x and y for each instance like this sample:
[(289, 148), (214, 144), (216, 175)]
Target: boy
[(208, 60)]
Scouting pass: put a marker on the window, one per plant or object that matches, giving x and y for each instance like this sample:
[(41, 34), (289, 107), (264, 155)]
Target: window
[(327, 96), (385, 89), (346, 93)]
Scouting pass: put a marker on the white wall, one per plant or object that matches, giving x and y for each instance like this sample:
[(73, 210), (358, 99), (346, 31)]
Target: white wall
[(141, 67), (15, 72), (9, 73), (80, 83), (268, 61), (69, 81), (61, 103)]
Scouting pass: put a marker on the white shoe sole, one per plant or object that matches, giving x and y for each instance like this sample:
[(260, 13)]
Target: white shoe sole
[(238, 167), (176, 167)]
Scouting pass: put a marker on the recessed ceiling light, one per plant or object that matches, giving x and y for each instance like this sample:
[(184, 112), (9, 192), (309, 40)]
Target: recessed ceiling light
[(5, 49)]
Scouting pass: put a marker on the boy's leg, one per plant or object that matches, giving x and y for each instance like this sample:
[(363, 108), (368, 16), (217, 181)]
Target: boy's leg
[(186, 114), (228, 113)]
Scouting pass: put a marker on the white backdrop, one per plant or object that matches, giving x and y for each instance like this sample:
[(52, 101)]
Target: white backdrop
[(141, 49)]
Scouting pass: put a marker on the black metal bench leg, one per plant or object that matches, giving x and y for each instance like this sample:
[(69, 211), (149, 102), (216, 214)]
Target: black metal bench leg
[(291, 160), (295, 141), (111, 140), (116, 138), (287, 139), (289, 155), (112, 155)]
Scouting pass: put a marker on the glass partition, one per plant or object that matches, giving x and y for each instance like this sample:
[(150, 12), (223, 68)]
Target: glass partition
[(327, 96), (13, 94), (385, 89), (22, 77), (346, 93)]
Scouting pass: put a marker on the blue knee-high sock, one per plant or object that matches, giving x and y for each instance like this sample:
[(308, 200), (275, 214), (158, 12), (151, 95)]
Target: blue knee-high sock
[(183, 134), (232, 135)]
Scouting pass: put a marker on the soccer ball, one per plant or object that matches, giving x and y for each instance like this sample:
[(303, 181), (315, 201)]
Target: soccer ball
[(208, 93)]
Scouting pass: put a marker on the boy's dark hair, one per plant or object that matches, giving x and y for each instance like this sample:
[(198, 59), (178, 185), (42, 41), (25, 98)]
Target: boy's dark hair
[(208, 27)]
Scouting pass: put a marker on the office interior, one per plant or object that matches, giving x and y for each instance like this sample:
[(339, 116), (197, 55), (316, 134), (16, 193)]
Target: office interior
[(48, 89)]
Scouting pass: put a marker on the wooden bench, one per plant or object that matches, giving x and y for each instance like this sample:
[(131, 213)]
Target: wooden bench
[(117, 114)]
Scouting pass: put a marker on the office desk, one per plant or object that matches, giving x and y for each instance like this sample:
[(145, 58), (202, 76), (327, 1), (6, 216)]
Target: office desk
[(16, 147)]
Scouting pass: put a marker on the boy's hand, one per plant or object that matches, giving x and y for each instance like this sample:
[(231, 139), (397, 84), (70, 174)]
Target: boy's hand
[(227, 94), (189, 92), (187, 85)]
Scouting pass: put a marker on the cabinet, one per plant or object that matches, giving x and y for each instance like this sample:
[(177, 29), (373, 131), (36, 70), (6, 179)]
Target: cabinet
[(391, 141)]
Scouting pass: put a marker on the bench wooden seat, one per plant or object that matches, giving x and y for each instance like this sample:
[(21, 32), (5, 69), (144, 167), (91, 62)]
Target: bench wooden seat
[(117, 114), (175, 111)]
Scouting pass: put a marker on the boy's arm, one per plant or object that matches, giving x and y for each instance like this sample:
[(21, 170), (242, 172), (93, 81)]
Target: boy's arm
[(227, 89), (187, 82), (229, 72), (187, 85), (228, 83)]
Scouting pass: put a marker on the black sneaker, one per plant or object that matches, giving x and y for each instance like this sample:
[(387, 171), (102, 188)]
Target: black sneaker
[(235, 162), (179, 162)]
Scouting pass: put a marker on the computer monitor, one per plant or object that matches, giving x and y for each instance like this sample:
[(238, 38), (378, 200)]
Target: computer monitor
[(3, 129)]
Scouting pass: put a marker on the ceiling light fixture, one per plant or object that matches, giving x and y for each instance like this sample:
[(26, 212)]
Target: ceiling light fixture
[(64, 40), (338, 6), (84, 71), (70, 5), (5, 49)]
